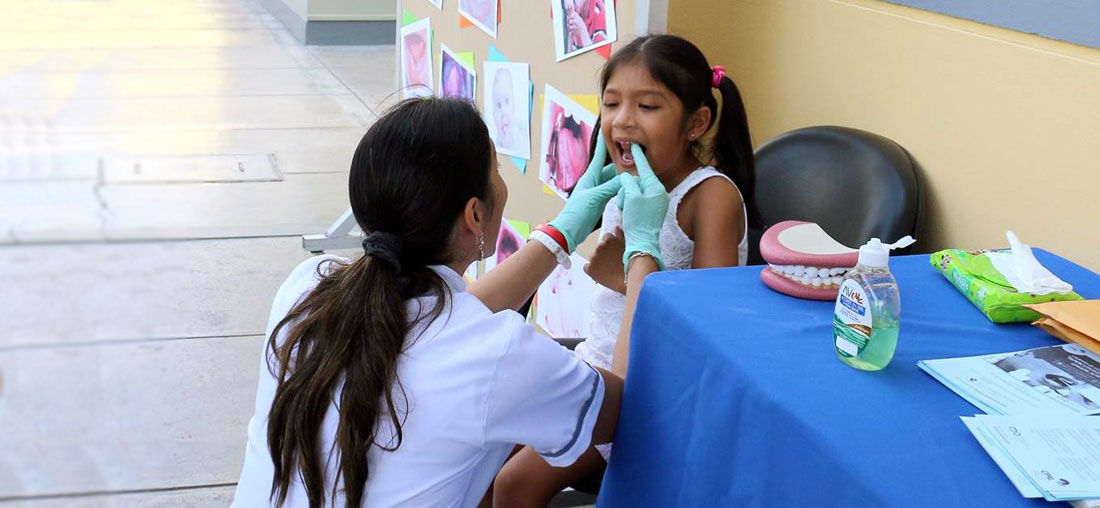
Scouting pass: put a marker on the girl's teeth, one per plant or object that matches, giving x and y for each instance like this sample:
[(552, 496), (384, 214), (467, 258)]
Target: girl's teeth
[(628, 156)]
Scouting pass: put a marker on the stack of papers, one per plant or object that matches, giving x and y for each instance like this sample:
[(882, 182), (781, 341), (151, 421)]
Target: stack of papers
[(1063, 379), (1055, 459), (1037, 429)]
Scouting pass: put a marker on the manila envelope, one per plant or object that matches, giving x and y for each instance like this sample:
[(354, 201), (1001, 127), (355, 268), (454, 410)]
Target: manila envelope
[(1074, 321)]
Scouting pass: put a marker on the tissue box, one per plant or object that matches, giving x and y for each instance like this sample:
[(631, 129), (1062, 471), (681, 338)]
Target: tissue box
[(973, 274)]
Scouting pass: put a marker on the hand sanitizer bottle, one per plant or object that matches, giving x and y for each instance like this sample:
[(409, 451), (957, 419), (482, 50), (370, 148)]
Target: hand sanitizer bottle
[(868, 307)]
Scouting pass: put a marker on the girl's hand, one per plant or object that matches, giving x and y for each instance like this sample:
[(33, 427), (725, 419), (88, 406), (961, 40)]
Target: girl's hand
[(606, 266), (585, 205), (645, 203)]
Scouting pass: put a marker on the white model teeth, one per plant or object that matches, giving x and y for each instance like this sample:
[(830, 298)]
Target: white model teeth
[(811, 275)]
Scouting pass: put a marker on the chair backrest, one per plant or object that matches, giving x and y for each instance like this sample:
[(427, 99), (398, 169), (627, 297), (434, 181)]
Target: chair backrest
[(855, 184)]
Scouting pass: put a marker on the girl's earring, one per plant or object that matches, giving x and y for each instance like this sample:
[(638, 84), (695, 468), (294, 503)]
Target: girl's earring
[(480, 247)]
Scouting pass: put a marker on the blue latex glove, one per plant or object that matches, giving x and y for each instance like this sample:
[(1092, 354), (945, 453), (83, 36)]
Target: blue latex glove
[(585, 205), (645, 203)]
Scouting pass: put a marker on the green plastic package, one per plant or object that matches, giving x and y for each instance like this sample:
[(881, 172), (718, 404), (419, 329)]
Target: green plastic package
[(972, 273)]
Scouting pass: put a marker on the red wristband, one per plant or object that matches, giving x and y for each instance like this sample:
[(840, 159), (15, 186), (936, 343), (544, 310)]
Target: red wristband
[(553, 232)]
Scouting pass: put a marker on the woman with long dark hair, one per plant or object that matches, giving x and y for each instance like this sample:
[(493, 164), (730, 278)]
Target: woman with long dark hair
[(384, 381)]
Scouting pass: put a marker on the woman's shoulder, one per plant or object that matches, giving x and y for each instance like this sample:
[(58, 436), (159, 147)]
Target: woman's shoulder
[(500, 327), (301, 280), (469, 317), (315, 267), (469, 334)]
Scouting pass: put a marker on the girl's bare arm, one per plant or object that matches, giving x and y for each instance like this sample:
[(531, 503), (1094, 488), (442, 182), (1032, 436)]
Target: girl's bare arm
[(639, 268), (717, 223)]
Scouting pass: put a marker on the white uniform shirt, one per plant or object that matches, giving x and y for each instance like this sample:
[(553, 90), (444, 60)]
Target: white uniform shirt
[(478, 383)]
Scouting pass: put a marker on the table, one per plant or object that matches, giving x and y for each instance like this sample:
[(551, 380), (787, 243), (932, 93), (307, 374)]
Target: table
[(735, 398)]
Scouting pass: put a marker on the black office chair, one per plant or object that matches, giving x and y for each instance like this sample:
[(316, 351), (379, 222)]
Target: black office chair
[(856, 185)]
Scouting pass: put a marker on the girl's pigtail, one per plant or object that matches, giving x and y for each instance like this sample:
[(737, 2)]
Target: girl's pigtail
[(733, 145)]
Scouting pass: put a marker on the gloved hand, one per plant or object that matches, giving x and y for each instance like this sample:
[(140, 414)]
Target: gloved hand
[(645, 203), (585, 205)]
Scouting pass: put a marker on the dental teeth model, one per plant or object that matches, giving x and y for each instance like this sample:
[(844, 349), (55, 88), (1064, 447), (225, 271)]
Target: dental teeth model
[(812, 275), (804, 261)]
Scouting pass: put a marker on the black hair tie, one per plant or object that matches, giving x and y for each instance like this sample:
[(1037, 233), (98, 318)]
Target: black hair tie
[(384, 246)]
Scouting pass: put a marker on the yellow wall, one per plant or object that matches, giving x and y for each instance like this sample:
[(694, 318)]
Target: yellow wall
[(353, 10), (1005, 125)]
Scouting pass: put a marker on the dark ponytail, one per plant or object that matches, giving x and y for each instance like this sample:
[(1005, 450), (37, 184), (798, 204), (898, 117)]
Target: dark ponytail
[(680, 66), (411, 177), (733, 145)]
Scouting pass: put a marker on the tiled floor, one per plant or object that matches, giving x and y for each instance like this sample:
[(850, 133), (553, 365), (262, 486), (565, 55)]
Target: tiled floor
[(133, 305)]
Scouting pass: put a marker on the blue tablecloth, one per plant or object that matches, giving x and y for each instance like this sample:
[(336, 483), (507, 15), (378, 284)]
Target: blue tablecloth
[(735, 398)]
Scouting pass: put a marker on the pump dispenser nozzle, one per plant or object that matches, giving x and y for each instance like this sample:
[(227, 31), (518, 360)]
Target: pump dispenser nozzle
[(877, 254)]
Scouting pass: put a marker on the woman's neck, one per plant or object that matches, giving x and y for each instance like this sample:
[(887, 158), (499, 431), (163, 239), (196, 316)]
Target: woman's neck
[(459, 267)]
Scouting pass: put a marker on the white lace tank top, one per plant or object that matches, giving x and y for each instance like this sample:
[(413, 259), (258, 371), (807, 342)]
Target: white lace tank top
[(606, 305)]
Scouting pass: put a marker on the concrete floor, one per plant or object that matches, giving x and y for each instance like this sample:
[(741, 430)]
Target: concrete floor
[(158, 161)]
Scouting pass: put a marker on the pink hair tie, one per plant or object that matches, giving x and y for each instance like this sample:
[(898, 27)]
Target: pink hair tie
[(719, 73)]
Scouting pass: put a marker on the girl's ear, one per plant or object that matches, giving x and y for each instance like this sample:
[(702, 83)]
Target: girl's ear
[(474, 216), (698, 123)]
